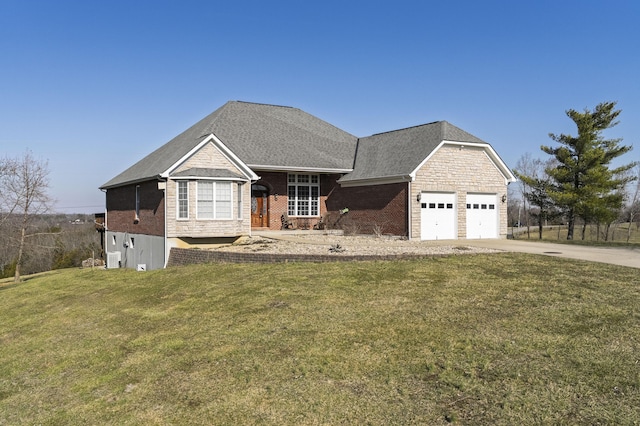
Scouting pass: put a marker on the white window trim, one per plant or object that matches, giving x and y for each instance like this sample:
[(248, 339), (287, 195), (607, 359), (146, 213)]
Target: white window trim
[(137, 210), (178, 200), (309, 185), (215, 201), (215, 213)]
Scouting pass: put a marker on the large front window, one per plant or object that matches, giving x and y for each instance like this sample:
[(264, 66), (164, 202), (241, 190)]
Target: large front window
[(304, 195), (214, 200)]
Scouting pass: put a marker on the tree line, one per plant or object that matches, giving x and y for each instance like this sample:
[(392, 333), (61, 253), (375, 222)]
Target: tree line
[(32, 239), (578, 182)]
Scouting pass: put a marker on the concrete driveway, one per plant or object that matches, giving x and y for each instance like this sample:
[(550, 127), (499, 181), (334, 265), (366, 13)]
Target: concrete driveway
[(614, 256)]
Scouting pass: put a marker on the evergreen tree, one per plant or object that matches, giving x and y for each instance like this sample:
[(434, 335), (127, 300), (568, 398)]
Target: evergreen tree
[(584, 185)]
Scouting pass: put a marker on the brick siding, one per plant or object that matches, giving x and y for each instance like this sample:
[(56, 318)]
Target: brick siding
[(121, 209), (380, 208), (278, 200), (372, 209)]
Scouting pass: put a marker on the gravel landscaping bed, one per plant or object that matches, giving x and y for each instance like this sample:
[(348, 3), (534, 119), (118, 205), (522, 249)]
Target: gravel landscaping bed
[(346, 245)]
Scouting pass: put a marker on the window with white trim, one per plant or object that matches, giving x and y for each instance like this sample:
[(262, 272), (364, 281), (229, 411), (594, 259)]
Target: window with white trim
[(222, 202), (304, 195), (137, 202), (183, 199), (214, 200)]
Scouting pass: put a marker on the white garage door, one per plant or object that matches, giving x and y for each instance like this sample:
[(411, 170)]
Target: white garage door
[(482, 216), (438, 216)]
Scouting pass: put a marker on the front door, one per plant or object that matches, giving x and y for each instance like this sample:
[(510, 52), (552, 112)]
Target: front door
[(259, 206)]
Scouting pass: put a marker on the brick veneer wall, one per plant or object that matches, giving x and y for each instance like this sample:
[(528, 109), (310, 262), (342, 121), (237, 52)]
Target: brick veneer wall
[(372, 209), (121, 209), (276, 182), (380, 208), (182, 257)]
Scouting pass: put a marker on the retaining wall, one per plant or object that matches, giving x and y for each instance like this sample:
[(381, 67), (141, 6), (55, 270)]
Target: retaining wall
[(181, 257)]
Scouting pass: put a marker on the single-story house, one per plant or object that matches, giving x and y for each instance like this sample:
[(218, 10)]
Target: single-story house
[(249, 166)]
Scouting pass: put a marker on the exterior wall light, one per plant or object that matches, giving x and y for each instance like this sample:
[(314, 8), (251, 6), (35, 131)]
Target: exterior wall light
[(504, 198)]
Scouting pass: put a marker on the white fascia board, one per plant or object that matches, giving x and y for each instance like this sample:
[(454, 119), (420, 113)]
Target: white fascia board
[(246, 170), (489, 151), (234, 159), (415, 171), (376, 181), (298, 169), (184, 158), (507, 178), (493, 155)]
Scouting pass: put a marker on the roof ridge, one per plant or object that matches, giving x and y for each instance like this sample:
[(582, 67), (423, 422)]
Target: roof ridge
[(264, 104), (410, 127)]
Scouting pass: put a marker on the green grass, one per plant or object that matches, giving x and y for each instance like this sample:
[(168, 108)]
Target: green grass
[(474, 339), (558, 234)]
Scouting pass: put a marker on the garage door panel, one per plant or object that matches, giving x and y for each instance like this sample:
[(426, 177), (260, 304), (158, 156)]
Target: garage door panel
[(438, 216), (482, 216)]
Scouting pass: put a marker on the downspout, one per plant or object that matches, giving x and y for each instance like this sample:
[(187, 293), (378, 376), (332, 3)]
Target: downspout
[(105, 248), (166, 240), (250, 211), (409, 198)]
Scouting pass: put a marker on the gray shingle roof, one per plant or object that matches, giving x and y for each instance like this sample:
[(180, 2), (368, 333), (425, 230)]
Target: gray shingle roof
[(206, 172), (260, 135), (277, 137), (400, 152)]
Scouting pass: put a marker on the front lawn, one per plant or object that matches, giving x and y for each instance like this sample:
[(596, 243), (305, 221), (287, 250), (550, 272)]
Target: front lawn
[(472, 339)]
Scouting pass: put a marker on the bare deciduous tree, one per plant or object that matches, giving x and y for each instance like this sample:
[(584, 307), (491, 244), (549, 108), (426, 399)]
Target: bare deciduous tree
[(7, 206), (23, 195), (527, 166), (634, 200)]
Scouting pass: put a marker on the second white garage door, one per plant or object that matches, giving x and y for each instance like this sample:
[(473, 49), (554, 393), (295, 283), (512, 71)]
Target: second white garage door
[(438, 216), (482, 216)]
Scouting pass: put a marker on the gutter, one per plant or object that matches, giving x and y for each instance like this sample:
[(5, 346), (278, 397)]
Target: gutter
[(132, 182), (376, 181), (259, 167)]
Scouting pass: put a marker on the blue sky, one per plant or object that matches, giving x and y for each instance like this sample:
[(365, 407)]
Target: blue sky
[(92, 87)]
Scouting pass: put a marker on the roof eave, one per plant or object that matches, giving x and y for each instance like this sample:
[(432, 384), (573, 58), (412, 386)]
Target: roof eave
[(262, 167), (132, 182), (381, 180)]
